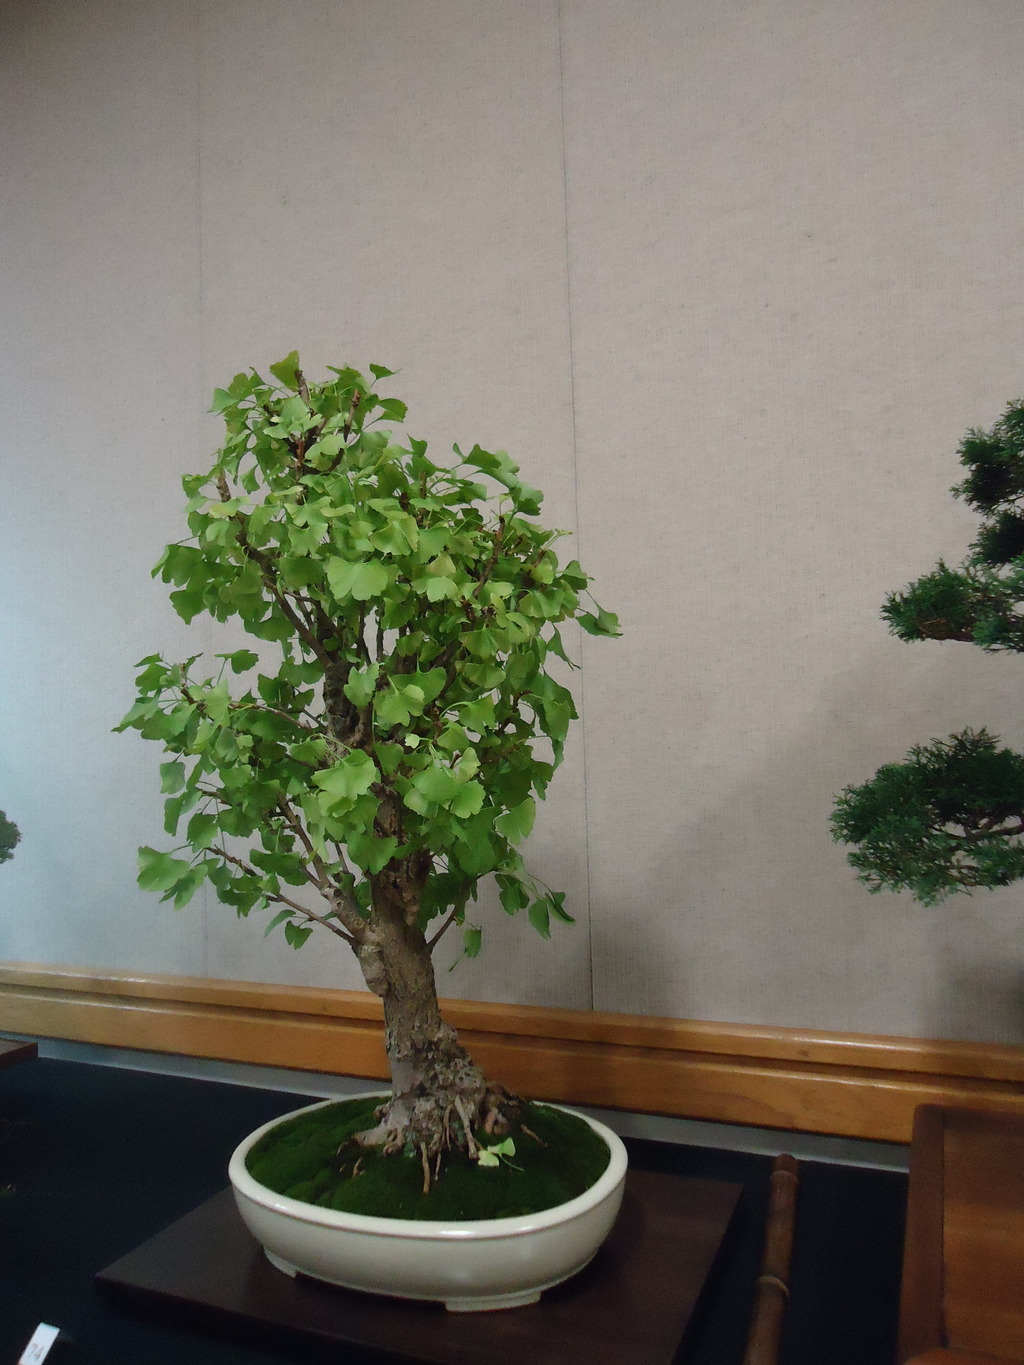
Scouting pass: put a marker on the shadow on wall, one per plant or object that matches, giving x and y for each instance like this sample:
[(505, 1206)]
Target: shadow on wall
[(980, 1000), (634, 944)]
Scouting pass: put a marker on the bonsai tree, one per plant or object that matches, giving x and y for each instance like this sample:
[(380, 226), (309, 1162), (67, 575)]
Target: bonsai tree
[(365, 781), (9, 836), (950, 817)]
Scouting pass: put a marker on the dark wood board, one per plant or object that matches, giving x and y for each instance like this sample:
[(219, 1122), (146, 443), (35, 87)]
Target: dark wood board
[(633, 1302), (12, 1051)]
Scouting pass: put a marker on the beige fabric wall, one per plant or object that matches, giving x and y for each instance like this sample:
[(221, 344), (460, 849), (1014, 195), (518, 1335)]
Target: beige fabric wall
[(730, 280)]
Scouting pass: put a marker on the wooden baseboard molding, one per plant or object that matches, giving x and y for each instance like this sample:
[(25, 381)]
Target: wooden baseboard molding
[(853, 1085)]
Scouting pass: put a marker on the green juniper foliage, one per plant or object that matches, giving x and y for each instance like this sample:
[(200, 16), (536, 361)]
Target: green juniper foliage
[(9, 836), (411, 717), (951, 816)]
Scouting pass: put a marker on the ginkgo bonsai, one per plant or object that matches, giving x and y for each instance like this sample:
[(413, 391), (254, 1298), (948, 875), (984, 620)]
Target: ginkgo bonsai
[(950, 817), (389, 758)]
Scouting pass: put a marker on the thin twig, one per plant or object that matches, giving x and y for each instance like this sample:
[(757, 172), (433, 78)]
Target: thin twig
[(453, 915)]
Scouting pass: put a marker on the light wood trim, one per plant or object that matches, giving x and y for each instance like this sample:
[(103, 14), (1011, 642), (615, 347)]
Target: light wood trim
[(854, 1085)]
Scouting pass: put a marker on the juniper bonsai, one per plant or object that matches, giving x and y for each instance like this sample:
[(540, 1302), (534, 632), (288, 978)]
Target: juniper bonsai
[(366, 781), (951, 816)]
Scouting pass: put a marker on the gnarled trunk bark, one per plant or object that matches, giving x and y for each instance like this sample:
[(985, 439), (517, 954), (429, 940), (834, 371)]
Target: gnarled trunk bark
[(439, 1094)]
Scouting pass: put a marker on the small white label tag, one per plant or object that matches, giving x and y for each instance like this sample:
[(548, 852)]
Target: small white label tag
[(39, 1347)]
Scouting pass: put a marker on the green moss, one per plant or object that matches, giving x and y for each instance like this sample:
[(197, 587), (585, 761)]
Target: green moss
[(313, 1157)]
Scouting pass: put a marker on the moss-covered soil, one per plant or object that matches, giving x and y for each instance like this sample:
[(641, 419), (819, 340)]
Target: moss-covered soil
[(313, 1157)]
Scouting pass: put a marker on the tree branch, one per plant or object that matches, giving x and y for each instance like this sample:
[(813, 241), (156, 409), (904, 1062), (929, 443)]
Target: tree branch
[(992, 832), (450, 919), (321, 880), (276, 711), (344, 905), (278, 898), (299, 623)]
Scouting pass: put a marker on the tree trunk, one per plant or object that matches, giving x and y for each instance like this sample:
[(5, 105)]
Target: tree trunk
[(439, 1094)]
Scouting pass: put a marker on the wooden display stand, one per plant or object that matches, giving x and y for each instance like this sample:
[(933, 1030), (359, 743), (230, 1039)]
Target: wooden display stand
[(633, 1303), (962, 1300)]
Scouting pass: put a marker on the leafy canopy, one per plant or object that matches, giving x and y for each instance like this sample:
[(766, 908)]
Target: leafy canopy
[(946, 819), (951, 816), (979, 602), (9, 836), (410, 718)]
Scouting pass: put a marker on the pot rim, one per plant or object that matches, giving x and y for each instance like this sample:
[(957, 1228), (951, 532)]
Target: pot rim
[(474, 1230)]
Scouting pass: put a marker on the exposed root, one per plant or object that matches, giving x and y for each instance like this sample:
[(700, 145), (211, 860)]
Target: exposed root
[(472, 1146), (435, 1124), (501, 1110)]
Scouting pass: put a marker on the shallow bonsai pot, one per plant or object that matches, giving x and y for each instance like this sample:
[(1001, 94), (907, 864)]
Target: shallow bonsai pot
[(470, 1267)]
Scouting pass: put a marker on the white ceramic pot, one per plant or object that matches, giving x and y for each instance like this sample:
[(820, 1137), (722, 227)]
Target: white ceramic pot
[(472, 1266)]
